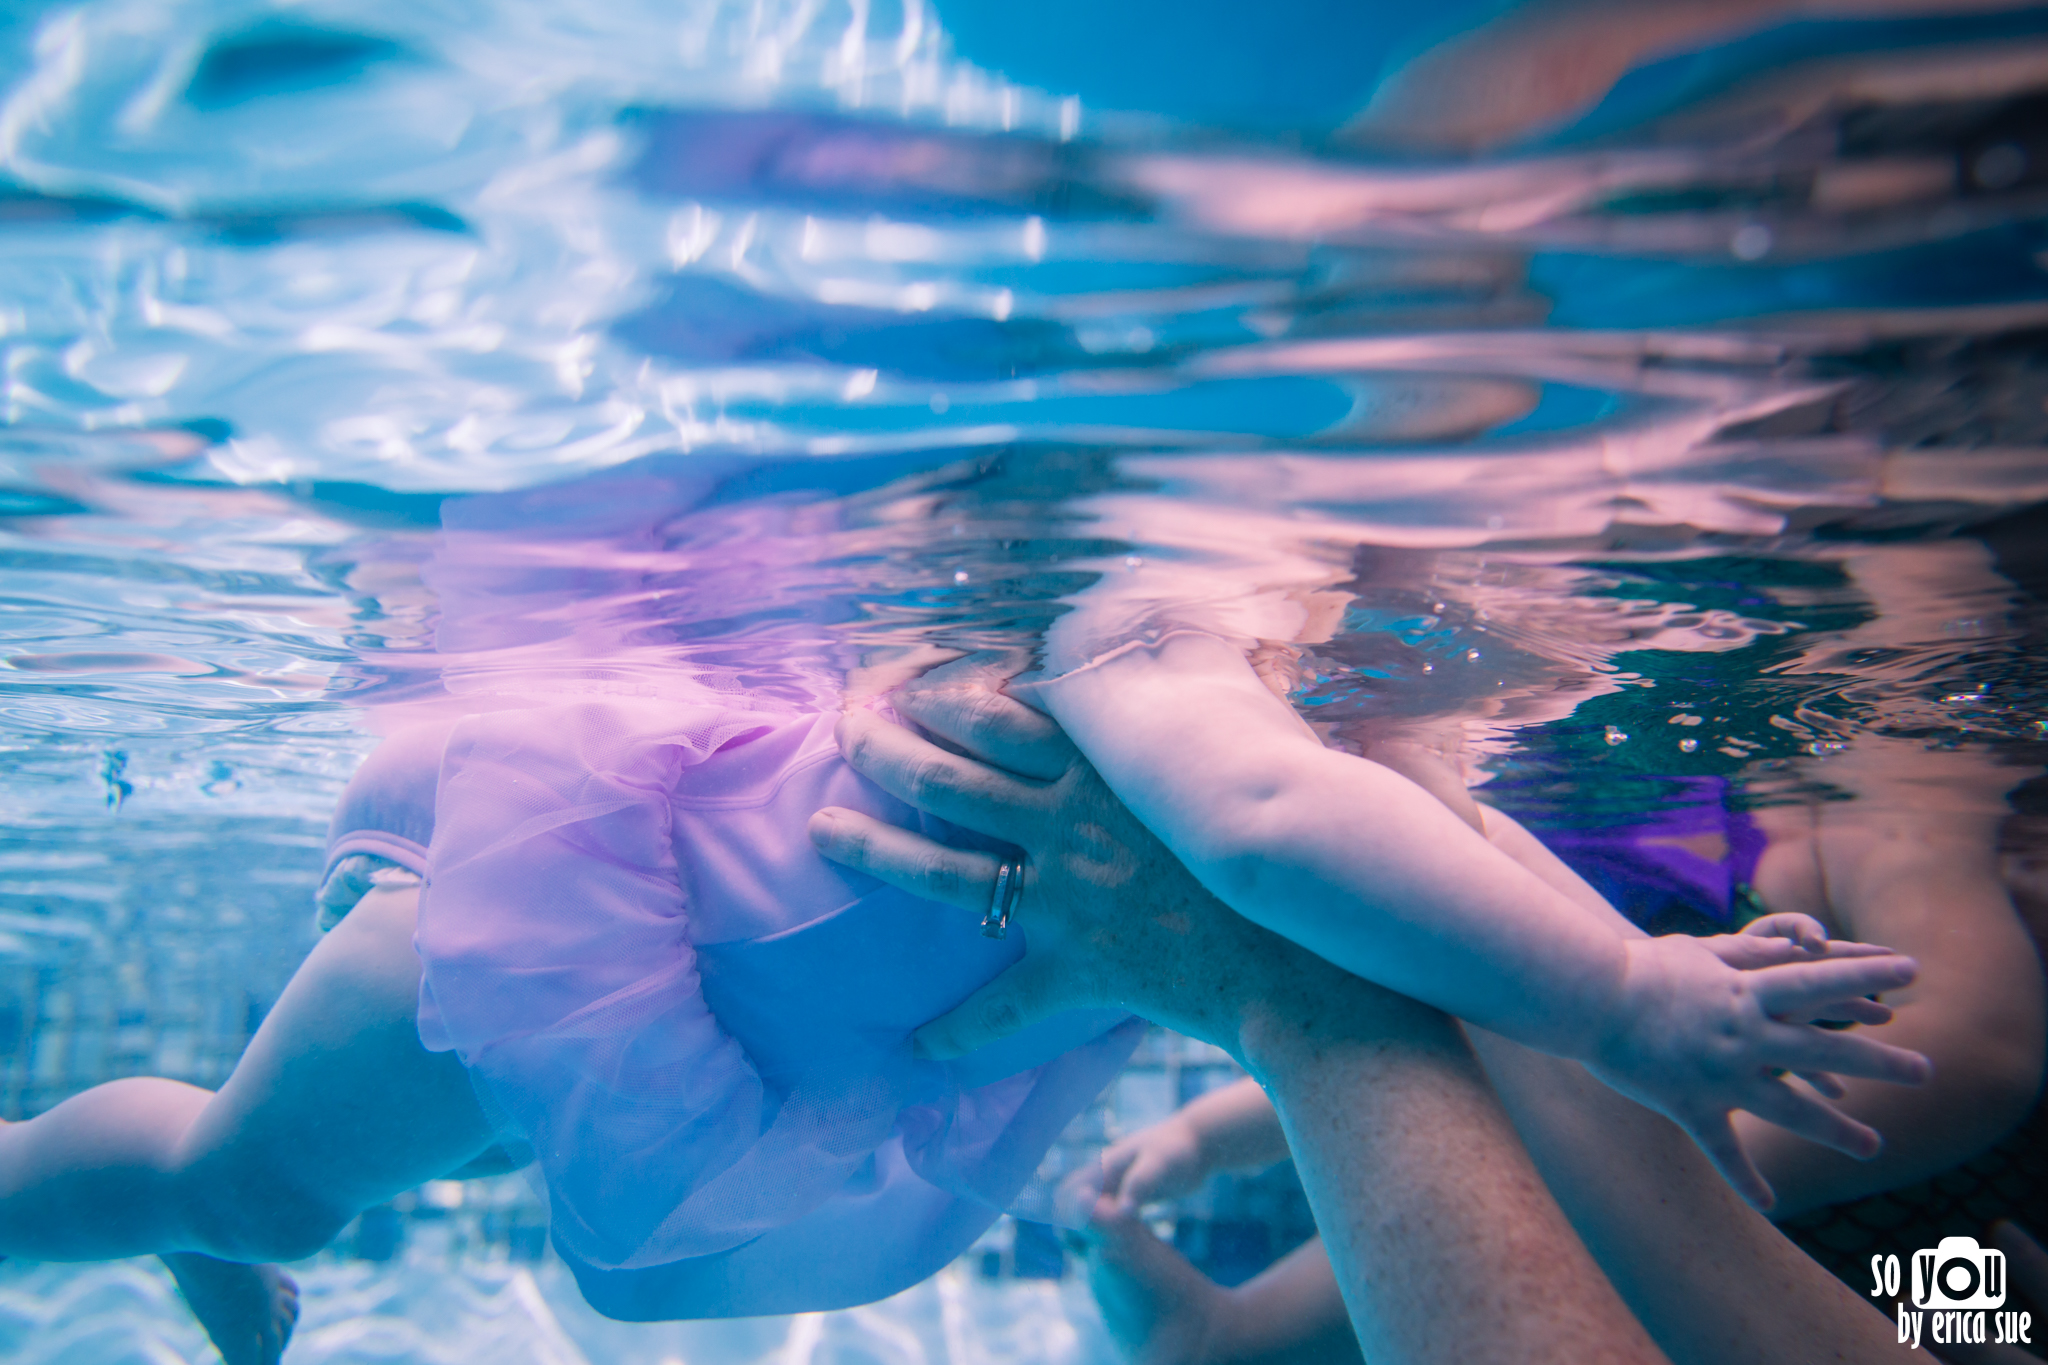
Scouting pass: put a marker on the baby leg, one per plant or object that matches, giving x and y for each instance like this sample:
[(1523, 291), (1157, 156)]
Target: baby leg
[(248, 1310), (334, 1107)]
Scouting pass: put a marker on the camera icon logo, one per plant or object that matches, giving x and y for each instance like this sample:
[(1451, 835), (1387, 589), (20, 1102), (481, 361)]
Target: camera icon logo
[(1958, 1274)]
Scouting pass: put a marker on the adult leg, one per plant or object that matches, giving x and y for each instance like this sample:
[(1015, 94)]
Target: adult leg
[(334, 1107), (1704, 1272), (1912, 863)]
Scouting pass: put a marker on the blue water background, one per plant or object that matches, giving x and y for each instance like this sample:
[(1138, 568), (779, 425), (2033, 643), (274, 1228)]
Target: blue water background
[(951, 313)]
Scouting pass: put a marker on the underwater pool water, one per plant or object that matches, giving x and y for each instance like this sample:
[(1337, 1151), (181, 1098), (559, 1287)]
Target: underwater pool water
[(366, 358)]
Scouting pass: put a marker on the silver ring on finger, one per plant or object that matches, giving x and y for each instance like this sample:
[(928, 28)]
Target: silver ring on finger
[(1004, 898)]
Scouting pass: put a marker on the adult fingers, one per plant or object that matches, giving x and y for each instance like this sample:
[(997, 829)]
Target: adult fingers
[(1747, 952), (992, 727), (1845, 947), (1716, 1137), (946, 785), (1804, 930), (904, 859), (1795, 991), (1813, 1119), (1026, 993), (1803, 1048), (990, 668)]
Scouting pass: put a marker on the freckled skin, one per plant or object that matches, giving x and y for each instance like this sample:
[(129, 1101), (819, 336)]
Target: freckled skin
[(1706, 1274)]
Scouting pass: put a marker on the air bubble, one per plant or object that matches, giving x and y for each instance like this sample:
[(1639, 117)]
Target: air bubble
[(2000, 166), (1752, 242), (1616, 735), (1471, 656), (1688, 745)]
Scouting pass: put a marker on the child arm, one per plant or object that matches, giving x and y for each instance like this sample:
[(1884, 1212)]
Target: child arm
[(1343, 856), (1231, 1128), (1361, 866)]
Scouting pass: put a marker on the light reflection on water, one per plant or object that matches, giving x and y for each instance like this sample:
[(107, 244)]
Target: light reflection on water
[(401, 351)]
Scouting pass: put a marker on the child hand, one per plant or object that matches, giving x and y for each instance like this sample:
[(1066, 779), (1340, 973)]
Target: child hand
[(1160, 1162), (1695, 1037)]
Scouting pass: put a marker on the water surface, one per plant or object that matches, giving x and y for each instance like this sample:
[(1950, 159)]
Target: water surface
[(362, 357)]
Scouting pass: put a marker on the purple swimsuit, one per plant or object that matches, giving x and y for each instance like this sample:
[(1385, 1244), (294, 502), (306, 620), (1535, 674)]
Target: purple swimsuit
[(1658, 869)]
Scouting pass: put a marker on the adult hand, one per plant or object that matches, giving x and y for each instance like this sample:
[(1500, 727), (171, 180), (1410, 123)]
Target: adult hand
[(1111, 918), (1775, 940), (1390, 1119)]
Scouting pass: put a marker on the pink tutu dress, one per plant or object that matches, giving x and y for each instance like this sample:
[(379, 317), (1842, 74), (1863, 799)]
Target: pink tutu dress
[(701, 1027)]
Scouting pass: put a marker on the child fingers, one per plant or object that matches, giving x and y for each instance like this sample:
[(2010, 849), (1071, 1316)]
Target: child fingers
[(904, 859), (946, 785), (1797, 990), (1846, 1054), (1827, 1083), (1146, 1181), (1079, 1192), (1109, 1170), (1854, 1010), (1717, 1139), (1021, 996), (998, 729), (1844, 947), (1747, 952), (1813, 1119)]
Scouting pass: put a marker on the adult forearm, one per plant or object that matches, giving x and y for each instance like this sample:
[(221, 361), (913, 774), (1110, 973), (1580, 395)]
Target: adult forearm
[(1443, 1239), (1707, 1275)]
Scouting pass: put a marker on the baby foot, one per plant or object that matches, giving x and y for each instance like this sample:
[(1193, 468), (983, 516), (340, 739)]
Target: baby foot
[(248, 1310)]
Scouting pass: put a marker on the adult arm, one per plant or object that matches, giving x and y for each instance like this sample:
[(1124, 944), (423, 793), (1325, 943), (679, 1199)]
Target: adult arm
[(1345, 857), (1709, 1276), (1912, 862), (1359, 864), (1444, 1241)]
